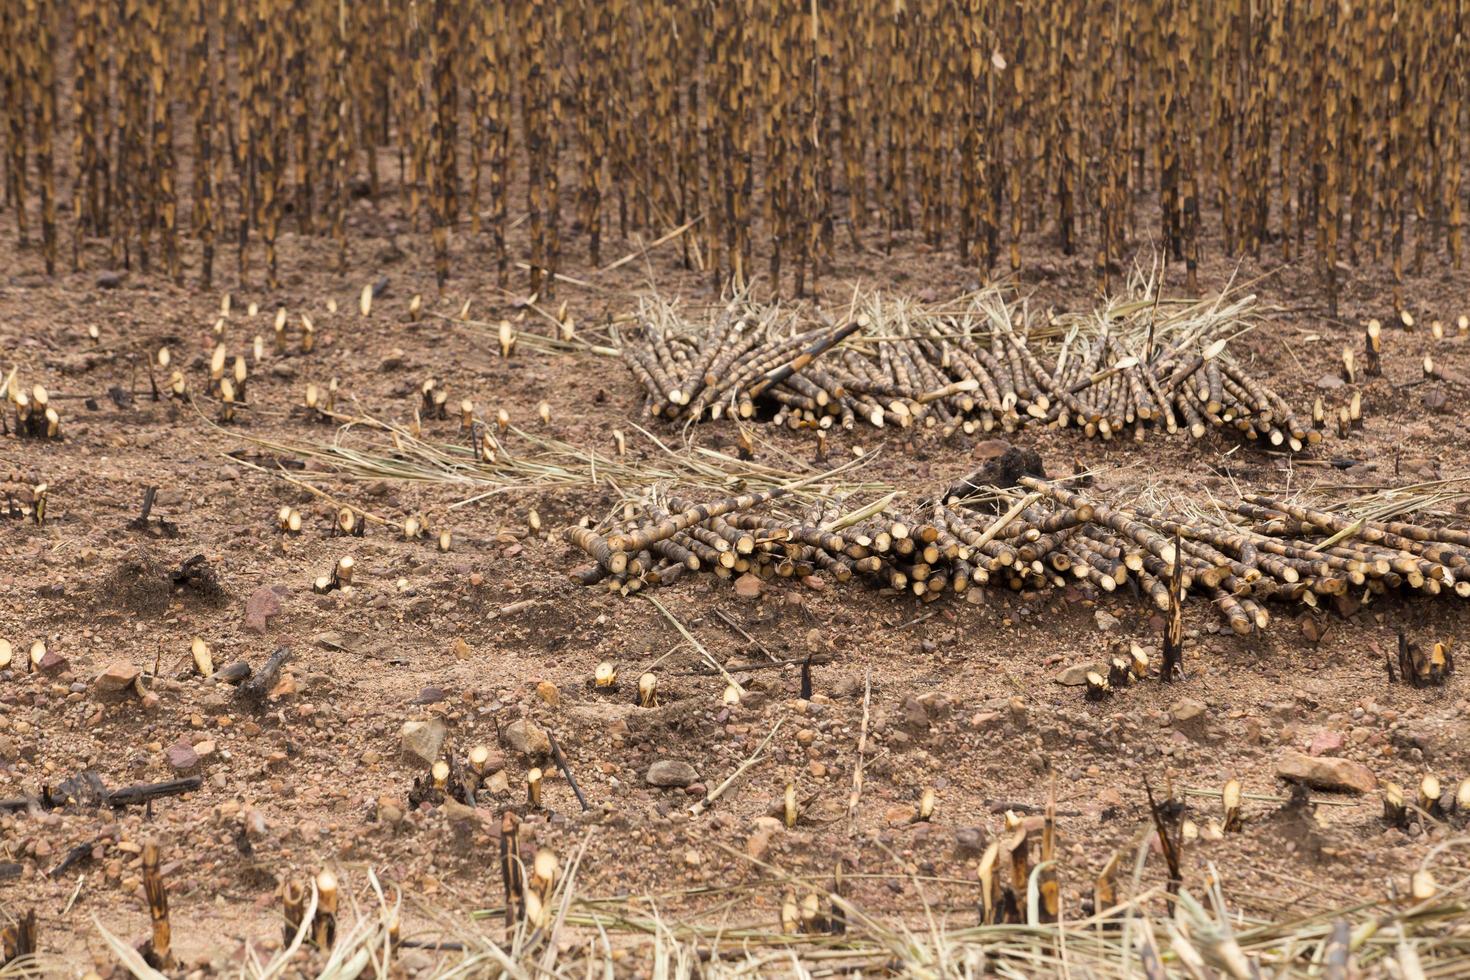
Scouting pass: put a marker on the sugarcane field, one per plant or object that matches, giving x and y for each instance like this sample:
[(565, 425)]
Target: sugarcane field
[(666, 490)]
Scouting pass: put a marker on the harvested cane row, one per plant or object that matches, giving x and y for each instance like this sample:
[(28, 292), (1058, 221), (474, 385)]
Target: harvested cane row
[(1048, 535), (975, 371)]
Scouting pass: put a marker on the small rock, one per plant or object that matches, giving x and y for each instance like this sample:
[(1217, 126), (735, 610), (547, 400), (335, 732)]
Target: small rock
[(109, 279), (670, 772), (759, 841), (422, 740), (264, 604), (181, 756), (969, 841), (117, 679), (1105, 620), (915, 715), (52, 663), (1329, 382), (1326, 742), (527, 738), (748, 586), (1019, 712), (429, 695), (547, 692), (1074, 676), (1333, 775), (389, 812), (1189, 716), (900, 814), (458, 812)]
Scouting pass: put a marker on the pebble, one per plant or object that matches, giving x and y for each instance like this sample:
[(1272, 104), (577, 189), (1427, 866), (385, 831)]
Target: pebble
[(1320, 772), (983, 720), (969, 840), (899, 815), (759, 841), (263, 605), (182, 757), (1189, 716), (389, 812), (527, 738), (1019, 712), (117, 679), (1326, 742), (915, 716), (670, 772), (52, 663), (421, 741), (1075, 675)]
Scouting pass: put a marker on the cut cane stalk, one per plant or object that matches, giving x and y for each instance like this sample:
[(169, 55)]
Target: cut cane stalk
[(647, 690), (203, 659), (324, 923), (533, 788), (159, 952)]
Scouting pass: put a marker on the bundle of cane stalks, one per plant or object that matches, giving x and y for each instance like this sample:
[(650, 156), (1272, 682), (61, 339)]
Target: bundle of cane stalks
[(979, 363), (1035, 535)]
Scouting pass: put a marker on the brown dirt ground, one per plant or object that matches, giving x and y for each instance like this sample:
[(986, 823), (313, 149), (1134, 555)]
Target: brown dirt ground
[(316, 763)]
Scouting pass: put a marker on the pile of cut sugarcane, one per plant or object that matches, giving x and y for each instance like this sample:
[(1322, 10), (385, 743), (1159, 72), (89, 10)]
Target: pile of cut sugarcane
[(1040, 534), (977, 365)]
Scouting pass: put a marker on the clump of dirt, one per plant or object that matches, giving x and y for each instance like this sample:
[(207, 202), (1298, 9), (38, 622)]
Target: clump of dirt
[(142, 585), (136, 586), (1003, 470), (195, 577)]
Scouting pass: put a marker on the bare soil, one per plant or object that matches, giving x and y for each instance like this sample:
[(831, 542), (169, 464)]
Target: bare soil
[(963, 694)]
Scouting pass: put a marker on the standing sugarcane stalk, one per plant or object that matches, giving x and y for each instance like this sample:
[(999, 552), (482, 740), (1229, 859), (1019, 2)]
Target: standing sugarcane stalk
[(205, 102)]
